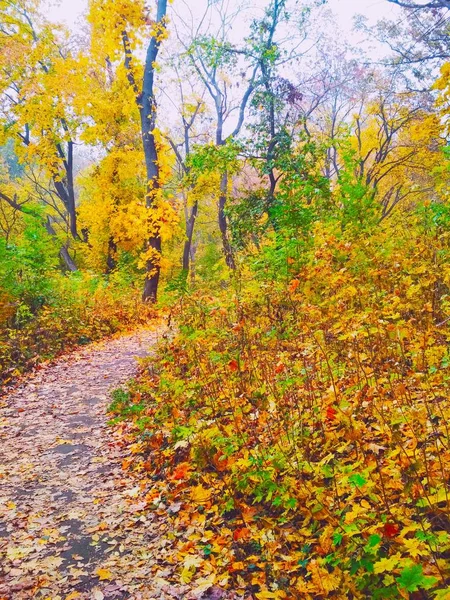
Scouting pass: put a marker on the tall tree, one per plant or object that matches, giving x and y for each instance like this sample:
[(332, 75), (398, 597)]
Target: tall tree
[(145, 96), (419, 41), (148, 124), (122, 30), (36, 66), (232, 74)]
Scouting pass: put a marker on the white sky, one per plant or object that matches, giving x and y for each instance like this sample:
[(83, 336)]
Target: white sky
[(345, 10), (70, 10)]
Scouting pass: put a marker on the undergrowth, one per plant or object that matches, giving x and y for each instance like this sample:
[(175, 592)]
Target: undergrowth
[(75, 310), (300, 424)]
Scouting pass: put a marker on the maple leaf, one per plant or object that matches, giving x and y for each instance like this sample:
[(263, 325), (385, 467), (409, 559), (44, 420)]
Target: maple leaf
[(390, 530), (331, 413), (293, 285), (241, 534), (233, 365), (357, 480), (187, 574), (103, 574), (413, 579), (200, 494), (415, 547), (387, 564), (182, 471), (268, 595)]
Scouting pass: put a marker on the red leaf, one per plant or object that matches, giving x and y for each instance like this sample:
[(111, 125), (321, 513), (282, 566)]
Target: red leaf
[(331, 413), (233, 364), (391, 530)]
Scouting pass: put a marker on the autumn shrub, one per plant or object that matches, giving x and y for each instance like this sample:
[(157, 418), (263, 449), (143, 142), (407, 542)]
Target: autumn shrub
[(77, 309), (306, 417)]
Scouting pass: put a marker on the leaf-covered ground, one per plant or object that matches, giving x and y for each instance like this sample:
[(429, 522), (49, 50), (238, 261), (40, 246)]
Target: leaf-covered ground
[(72, 524), (304, 426)]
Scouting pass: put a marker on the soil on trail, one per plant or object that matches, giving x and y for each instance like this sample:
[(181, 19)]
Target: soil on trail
[(71, 520)]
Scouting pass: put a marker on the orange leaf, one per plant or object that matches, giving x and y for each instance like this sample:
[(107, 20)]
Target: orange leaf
[(182, 471), (241, 534), (294, 285), (103, 574), (126, 463)]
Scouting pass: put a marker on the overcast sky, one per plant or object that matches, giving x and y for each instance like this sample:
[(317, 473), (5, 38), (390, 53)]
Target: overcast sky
[(70, 10)]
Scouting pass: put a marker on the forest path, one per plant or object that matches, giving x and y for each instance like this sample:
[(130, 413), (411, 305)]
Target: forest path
[(71, 522)]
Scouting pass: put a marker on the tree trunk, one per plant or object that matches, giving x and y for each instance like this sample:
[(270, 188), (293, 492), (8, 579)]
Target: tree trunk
[(189, 233), (67, 259), (64, 252), (72, 209), (192, 264), (148, 123), (151, 282), (223, 226), (111, 262)]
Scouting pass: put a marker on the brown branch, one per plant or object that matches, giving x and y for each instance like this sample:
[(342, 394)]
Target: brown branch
[(431, 4), (128, 61)]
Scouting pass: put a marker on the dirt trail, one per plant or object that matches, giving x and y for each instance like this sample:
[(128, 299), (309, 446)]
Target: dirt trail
[(71, 521)]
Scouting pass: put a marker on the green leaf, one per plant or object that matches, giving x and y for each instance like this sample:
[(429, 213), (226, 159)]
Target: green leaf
[(373, 543), (357, 480), (412, 579)]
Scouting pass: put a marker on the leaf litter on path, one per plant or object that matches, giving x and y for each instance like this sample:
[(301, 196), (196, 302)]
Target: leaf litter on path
[(72, 522)]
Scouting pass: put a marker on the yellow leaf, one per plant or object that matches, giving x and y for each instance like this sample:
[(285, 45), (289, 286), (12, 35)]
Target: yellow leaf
[(266, 595), (415, 547), (387, 564), (200, 494), (187, 575), (103, 574), (204, 583), (19, 552)]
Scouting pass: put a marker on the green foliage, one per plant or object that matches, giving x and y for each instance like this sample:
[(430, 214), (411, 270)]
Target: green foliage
[(27, 265), (211, 158), (215, 53), (412, 579)]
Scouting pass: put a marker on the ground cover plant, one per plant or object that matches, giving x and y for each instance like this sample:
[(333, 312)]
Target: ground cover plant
[(305, 424)]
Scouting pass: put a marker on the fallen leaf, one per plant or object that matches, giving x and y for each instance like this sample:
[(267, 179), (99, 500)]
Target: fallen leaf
[(200, 494), (103, 574)]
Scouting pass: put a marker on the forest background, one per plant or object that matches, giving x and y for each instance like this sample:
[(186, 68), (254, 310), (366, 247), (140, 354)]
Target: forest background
[(284, 196)]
